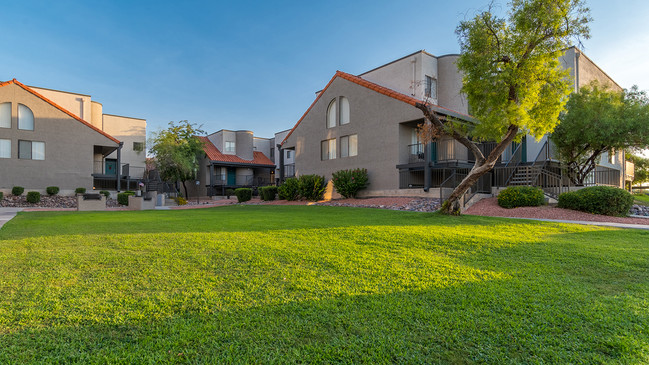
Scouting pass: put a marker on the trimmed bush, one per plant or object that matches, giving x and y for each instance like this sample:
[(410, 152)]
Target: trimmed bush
[(289, 190), (1, 195), (311, 187), (349, 182), (229, 192), (105, 193), (605, 200), (33, 197), (80, 190), (268, 193), (521, 196), (243, 194), (122, 198), (52, 190), (17, 190)]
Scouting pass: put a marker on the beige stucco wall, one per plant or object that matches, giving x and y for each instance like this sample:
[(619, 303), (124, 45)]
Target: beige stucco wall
[(69, 149), (450, 85), (78, 104), (128, 130), (374, 117)]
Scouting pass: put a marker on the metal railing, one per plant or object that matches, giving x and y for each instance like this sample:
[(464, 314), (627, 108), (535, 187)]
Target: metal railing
[(416, 153), (603, 176)]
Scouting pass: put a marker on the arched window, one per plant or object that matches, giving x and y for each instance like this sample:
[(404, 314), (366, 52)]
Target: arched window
[(25, 118), (344, 110), (5, 115), (331, 114)]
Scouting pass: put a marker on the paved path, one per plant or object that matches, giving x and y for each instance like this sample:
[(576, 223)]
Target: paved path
[(6, 214)]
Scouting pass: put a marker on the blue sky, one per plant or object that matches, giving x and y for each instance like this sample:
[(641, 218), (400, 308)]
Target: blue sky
[(254, 64)]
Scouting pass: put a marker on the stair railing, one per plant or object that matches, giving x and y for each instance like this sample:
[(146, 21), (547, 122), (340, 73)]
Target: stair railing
[(514, 161)]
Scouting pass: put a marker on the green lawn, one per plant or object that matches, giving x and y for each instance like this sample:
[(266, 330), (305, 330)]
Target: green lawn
[(641, 199), (305, 284)]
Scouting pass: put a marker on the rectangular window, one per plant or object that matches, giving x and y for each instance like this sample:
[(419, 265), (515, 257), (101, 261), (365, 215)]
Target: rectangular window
[(272, 153), (431, 87), (28, 150), (5, 115), (138, 146), (5, 148), (288, 154), (230, 146), (349, 146), (328, 149)]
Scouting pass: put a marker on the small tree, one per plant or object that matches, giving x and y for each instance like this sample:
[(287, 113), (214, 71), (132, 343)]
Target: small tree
[(641, 173), (177, 151), (599, 120), (512, 79)]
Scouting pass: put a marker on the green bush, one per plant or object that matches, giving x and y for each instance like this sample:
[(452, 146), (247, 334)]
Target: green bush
[(52, 190), (122, 198), (80, 190), (311, 187), (349, 182), (605, 200), (243, 194), (229, 192), (521, 196), (267, 193), (33, 197), (289, 190), (180, 200), (17, 190), (1, 195), (105, 193)]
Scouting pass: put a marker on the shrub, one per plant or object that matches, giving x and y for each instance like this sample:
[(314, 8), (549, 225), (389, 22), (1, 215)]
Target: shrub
[(289, 190), (521, 196), (105, 193), (349, 182), (605, 200), (122, 198), (243, 194), (311, 187), (52, 190), (229, 192), (17, 190), (268, 193), (180, 200), (1, 195), (33, 197), (80, 190)]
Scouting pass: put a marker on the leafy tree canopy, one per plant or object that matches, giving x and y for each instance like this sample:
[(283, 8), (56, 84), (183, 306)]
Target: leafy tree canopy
[(599, 120), (177, 151), (641, 173)]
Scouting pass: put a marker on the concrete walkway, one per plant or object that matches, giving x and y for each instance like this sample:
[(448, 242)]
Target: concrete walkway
[(607, 224), (6, 214)]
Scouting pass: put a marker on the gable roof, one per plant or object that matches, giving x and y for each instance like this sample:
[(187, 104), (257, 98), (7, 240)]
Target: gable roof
[(381, 90), (214, 154), (30, 90)]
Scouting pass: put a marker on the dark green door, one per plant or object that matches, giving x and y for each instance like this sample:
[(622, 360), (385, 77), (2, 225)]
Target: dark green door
[(433, 152), (110, 167), (232, 176), (524, 150)]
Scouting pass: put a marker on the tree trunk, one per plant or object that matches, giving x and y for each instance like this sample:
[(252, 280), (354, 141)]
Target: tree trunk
[(185, 187)]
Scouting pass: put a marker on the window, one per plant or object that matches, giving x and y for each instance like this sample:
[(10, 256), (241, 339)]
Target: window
[(28, 150), (230, 146), (272, 153), (25, 118), (431, 87), (288, 154), (344, 110), (138, 146), (5, 148), (331, 114), (5, 115), (328, 149), (349, 145)]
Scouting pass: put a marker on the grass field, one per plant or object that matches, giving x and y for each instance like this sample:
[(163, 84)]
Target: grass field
[(641, 199), (305, 284)]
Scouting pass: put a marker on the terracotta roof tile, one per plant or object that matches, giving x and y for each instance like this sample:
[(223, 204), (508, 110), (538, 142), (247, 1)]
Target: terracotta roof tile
[(372, 86), (28, 89), (214, 154)]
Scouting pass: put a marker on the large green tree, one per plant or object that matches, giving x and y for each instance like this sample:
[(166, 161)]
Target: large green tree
[(641, 169), (511, 77), (599, 120), (177, 151)]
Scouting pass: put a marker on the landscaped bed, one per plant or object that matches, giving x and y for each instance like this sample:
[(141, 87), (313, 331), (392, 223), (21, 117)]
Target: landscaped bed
[(304, 284)]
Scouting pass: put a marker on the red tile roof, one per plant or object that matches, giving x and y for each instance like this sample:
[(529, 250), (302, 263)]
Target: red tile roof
[(214, 154), (372, 86), (28, 89)]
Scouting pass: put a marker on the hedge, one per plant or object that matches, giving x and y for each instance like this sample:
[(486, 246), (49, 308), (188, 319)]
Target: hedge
[(33, 197), (605, 200), (267, 193), (521, 196), (122, 198), (243, 194), (80, 190), (311, 187), (52, 190), (289, 190), (105, 193), (17, 190)]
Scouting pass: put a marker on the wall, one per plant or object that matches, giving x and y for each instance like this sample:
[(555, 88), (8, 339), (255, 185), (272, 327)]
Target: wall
[(128, 130), (244, 145), (78, 104), (450, 85), (374, 117), (69, 146), (262, 145)]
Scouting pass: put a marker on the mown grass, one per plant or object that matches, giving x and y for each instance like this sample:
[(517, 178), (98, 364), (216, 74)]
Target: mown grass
[(272, 284), (642, 199)]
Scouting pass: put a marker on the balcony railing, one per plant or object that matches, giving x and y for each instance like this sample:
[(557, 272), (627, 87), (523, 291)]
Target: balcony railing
[(289, 170), (103, 167), (416, 153)]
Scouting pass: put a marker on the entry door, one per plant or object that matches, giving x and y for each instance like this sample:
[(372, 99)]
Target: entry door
[(232, 176), (110, 166)]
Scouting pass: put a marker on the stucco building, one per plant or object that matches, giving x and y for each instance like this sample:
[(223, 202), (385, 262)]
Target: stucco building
[(56, 138), (370, 121)]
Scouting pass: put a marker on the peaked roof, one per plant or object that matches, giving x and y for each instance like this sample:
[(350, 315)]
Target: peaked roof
[(30, 90), (214, 154), (379, 89)]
